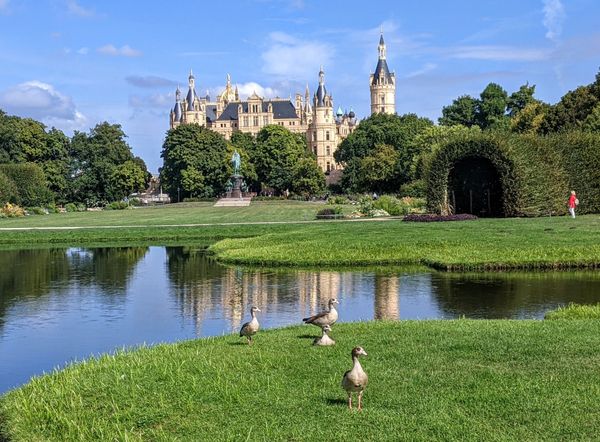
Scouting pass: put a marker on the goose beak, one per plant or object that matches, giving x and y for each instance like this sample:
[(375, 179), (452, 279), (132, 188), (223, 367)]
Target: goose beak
[(363, 353), (257, 309)]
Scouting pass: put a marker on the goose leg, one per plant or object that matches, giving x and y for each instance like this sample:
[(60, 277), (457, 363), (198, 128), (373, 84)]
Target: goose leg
[(360, 401), (350, 401), (249, 340)]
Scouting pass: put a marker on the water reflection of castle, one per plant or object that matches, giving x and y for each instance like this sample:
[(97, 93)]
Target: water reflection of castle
[(203, 287)]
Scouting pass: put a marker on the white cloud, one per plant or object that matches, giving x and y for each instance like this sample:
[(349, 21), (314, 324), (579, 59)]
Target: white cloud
[(247, 89), (149, 81), (125, 51), (163, 101), (42, 101), (497, 53), (76, 9), (293, 58), (83, 51), (554, 16)]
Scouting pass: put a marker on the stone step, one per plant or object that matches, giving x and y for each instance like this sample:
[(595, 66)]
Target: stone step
[(233, 202)]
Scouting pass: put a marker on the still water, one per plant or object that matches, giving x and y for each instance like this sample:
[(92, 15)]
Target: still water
[(61, 305)]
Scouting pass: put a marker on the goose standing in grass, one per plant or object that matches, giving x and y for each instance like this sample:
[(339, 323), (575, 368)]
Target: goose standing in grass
[(324, 318), (249, 329), (355, 380), (324, 339)]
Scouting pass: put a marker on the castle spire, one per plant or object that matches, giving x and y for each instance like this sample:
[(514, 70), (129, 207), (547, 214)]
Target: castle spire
[(381, 46)]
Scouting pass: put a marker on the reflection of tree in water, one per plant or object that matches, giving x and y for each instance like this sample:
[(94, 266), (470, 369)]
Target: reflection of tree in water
[(30, 273), (503, 295), (108, 268)]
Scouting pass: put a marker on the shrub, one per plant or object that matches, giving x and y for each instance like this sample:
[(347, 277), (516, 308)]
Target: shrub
[(30, 182), (330, 213), (71, 207), (338, 199), (199, 200), (37, 211), (428, 218), (365, 205), (135, 202), (12, 211), (8, 189), (117, 205), (414, 189), (575, 311), (530, 171), (392, 205)]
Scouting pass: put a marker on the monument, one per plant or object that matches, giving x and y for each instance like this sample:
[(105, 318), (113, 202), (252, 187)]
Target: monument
[(236, 186)]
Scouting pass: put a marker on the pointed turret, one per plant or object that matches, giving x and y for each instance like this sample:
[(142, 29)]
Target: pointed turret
[(383, 84), (191, 95), (237, 94), (177, 111), (321, 91)]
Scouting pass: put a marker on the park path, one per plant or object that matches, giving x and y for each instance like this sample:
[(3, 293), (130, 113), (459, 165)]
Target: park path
[(250, 223)]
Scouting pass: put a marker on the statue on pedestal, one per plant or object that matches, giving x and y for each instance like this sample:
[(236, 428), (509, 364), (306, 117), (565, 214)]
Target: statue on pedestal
[(236, 162)]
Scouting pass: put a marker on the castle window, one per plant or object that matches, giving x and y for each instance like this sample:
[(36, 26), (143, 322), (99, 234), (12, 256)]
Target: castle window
[(383, 110), (328, 150), (265, 120), (315, 136), (255, 121), (327, 136), (328, 166), (383, 99), (315, 149), (245, 121), (255, 108)]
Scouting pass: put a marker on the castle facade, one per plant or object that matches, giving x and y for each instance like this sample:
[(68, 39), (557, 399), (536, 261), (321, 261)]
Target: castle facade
[(323, 128)]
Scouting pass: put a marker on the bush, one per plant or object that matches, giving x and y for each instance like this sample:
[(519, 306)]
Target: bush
[(8, 189), (428, 218), (117, 205), (71, 207), (338, 199), (414, 189), (11, 211), (199, 200), (30, 182), (531, 173), (37, 211), (575, 311), (135, 202), (330, 213), (392, 205)]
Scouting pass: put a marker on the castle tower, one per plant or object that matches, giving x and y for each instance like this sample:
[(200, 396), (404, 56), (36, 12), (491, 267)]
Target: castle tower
[(383, 85), (177, 112), (194, 109), (321, 135)]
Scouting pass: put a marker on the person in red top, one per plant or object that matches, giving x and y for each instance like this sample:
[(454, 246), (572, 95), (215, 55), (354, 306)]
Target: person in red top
[(573, 201)]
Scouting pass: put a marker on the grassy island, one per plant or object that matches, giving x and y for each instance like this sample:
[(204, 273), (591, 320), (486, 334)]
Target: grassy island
[(451, 380)]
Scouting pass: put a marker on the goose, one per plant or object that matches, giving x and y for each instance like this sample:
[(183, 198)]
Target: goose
[(324, 339), (250, 328), (324, 318), (355, 380)]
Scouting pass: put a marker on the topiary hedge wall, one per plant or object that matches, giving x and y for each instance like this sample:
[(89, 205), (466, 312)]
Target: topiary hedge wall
[(581, 160), (533, 181)]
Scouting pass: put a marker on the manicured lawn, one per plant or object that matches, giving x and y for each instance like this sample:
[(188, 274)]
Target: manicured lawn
[(485, 244), (431, 380), (184, 213)]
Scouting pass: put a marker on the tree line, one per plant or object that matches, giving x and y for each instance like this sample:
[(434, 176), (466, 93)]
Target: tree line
[(40, 166), (388, 153)]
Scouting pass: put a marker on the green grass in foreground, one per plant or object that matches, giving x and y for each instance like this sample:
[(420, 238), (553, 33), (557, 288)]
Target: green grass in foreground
[(575, 311), (431, 380)]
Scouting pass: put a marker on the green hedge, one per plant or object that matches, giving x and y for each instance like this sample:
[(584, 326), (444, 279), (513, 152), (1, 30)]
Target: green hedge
[(8, 190), (533, 180), (581, 160), (30, 182)]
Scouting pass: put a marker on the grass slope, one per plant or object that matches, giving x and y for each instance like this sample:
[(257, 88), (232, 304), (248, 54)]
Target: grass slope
[(575, 311), (432, 380), (558, 242)]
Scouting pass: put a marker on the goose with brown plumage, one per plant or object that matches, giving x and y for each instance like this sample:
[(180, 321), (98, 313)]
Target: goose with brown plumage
[(355, 380), (325, 339), (324, 318), (250, 328)]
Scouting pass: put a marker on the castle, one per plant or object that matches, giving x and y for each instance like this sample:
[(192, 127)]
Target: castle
[(324, 130)]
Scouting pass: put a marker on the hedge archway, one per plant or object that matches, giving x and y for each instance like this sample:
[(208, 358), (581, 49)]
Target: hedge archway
[(530, 178)]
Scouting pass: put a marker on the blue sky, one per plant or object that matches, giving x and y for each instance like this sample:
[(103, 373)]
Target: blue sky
[(74, 63)]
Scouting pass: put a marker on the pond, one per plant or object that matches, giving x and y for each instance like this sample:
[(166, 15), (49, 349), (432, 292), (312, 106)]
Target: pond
[(62, 305)]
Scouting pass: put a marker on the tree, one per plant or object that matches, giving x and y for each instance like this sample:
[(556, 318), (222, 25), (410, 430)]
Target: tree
[(571, 111), (245, 144), (491, 113), (529, 119), (30, 183), (8, 190), (276, 155), (198, 151), (592, 121), (397, 132), (95, 157), (376, 169), (520, 99), (126, 179), (462, 112), (308, 178)]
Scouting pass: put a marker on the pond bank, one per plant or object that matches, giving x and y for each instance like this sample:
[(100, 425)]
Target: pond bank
[(462, 379)]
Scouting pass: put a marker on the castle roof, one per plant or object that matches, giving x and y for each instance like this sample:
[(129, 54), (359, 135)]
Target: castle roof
[(382, 70), (281, 110)]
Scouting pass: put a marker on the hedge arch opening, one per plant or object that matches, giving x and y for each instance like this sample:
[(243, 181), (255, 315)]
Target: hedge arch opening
[(474, 187)]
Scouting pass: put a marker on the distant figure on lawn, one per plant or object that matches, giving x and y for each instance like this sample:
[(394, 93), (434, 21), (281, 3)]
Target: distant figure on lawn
[(573, 202)]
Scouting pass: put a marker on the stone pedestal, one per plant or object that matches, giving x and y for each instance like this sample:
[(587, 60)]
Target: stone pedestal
[(236, 192)]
